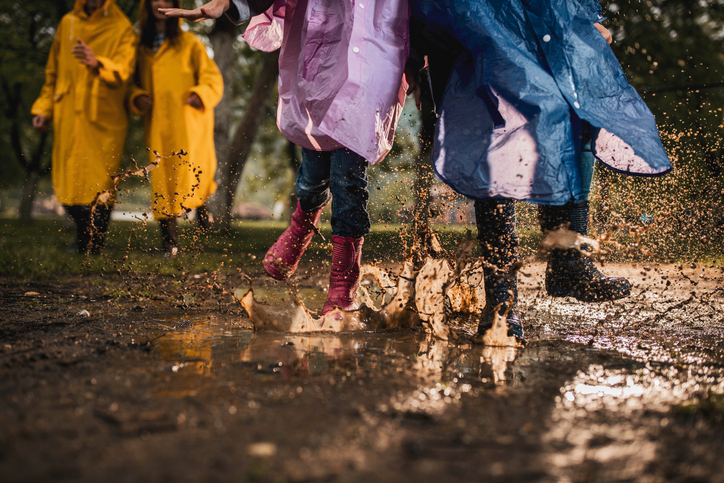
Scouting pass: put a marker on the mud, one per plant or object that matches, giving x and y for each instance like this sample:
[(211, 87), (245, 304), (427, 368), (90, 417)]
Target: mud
[(103, 379)]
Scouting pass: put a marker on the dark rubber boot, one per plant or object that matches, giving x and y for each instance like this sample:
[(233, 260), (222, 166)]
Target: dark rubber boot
[(571, 274), (203, 216), (169, 236), (99, 228), (81, 217), (281, 261), (499, 252), (344, 275)]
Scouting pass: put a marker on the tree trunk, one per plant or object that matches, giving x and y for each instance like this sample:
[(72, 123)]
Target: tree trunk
[(32, 165), (222, 41), (240, 147)]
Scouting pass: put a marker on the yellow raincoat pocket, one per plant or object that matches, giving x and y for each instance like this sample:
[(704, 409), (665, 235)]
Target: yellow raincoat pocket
[(104, 102)]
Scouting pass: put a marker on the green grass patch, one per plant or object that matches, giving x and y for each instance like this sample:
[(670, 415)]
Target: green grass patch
[(39, 250)]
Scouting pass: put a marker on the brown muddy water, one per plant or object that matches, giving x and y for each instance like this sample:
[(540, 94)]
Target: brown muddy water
[(160, 389)]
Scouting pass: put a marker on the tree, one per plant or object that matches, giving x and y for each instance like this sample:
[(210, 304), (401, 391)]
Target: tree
[(28, 31), (223, 38), (232, 155)]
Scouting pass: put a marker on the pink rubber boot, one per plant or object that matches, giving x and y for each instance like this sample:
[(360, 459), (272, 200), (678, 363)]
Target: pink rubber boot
[(344, 276), (282, 259)]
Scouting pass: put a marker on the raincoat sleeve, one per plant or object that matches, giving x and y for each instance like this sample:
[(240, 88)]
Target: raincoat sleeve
[(44, 104), (115, 70), (134, 91), (210, 84), (593, 10), (241, 11), (265, 31)]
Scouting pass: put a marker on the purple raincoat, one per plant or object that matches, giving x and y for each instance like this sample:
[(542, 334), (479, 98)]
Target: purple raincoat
[(340, 70)]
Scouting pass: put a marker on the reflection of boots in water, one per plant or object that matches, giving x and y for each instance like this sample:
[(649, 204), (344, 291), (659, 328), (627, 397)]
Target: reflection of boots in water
[(81, 217), (203, 216), (99, 228), (169, 235), (344, 274), (282, 259), (569, 273), (499, 251)]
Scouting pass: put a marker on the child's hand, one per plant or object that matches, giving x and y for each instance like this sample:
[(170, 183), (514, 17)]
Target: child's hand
[(604, 31), (85, 55), (40, 123), (212, 10), (195, 101), (413, 87), (143, 103)]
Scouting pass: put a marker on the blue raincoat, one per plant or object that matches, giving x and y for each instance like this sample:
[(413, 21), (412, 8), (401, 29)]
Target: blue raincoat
[(509, 121)]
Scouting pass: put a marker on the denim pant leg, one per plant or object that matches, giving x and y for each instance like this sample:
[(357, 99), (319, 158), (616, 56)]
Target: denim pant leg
[(348, 183), (587, 162), (587, 159), (313, 179)]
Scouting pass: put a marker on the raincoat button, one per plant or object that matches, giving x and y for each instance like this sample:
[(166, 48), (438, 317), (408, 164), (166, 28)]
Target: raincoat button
[(355, 50), (576, 105), (546, 38), (361, 6)]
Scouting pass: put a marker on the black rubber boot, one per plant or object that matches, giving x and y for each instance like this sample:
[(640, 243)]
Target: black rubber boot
[(569, 273), (169, 236), (499, 252), (99, 228), (81, 217), (203, 216)]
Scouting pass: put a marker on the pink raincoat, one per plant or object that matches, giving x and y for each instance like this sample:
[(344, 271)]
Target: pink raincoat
[(340, 71)]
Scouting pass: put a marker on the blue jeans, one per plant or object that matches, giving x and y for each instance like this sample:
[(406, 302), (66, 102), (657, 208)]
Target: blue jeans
[(341, 175), (587, 162)]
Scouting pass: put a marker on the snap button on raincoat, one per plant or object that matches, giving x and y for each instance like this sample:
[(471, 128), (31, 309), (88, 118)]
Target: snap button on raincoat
[(168, 77), (340, 70), (87, 108), (507, 124)]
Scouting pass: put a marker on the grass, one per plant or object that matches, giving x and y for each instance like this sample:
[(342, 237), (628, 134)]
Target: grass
[(38, 250)]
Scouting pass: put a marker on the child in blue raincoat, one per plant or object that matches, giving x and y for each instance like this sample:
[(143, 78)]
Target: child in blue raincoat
[(528, 84)]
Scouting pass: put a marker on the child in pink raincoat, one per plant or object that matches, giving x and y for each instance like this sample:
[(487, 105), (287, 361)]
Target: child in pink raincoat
[(340, 97)]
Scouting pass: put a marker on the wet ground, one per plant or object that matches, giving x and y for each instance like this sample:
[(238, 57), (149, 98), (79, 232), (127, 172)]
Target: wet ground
[(162, 379)]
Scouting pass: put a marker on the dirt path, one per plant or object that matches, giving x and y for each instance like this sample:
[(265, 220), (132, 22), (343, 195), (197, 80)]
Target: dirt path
[(160, 379)]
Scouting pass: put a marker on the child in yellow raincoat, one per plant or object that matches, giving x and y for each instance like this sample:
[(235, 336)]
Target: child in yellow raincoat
[(86, 76), (177, 87)]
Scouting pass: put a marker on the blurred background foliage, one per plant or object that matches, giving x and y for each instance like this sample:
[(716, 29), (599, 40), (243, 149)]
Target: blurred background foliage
[(671, 50)]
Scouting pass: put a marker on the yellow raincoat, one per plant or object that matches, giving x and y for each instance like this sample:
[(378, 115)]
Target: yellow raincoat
[(168, 77), (87, 107)]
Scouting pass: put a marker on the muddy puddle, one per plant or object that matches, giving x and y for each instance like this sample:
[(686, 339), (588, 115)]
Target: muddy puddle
[(573, 405), (159, 390)]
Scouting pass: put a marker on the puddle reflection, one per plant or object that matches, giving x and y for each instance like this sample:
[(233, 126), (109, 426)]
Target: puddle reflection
[(589, 406), (217, 351), (206, 348)]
